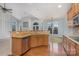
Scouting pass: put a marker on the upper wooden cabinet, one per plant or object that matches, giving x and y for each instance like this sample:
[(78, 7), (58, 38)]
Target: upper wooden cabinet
[(72, 12)]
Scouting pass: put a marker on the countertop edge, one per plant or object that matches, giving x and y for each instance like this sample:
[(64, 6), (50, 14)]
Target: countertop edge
[(20, 37), (72, 39)]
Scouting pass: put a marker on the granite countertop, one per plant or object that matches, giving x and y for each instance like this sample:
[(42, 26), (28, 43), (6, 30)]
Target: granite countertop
[(27, 34), (73, 38), (18, 35)]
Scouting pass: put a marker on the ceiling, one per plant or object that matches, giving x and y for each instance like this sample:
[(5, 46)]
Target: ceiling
[(39, 10)]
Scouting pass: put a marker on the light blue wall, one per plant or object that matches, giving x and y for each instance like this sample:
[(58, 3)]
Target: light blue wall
[(63, 27)]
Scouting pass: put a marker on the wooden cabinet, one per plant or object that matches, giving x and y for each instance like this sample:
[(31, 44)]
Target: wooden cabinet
[(25, 44), (45, 41), (16, 46), (77, 8), (66, 45), (38, 40), (72, 12), (77, 50), (33, 41), (64, 42), (69, 46), (72, 48), (19, 45), (22, 43)]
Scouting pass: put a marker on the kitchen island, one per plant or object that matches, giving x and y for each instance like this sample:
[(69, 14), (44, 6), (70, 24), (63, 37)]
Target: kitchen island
[(22, 42), (71, 45)]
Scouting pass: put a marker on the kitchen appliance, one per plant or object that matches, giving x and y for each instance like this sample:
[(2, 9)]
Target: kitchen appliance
[(76, 20)]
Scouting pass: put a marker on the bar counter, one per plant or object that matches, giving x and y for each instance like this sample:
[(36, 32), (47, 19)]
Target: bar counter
[(23, 41)]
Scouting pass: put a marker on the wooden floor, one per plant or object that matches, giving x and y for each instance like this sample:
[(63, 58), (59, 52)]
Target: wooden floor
[(38, 51), (57, 50), (54, 49)]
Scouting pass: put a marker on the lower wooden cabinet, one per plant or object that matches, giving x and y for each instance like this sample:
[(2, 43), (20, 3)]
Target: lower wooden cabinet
[(77, 50), (33, 41), (70, 46), (38, 40), (25, 44), (21, 45)]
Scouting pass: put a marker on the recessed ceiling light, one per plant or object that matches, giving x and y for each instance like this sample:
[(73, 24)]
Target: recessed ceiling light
[(59, 6)]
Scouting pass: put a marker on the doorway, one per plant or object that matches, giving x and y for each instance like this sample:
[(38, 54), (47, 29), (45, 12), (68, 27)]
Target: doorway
[(55, 30), (35, 26)]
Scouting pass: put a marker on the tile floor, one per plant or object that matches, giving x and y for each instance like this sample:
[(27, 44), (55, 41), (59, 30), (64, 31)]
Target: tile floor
[(5, 47)]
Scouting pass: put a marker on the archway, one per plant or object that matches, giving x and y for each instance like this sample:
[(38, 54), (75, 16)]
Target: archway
[(35, 26)]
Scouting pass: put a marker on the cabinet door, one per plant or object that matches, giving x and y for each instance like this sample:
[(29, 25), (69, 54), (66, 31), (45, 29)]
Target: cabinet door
[(16, 46), (27, 43), (71, 12), (33, 41), (23, 45), (46, 39), (78, 7), (72, 48), (65, 42), (77, 50), (68, 46), (39, 40)]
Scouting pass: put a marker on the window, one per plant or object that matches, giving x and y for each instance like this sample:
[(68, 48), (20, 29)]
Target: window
[(13, 27), (55, 31), (25, 24), (35, 26), (35, 23)]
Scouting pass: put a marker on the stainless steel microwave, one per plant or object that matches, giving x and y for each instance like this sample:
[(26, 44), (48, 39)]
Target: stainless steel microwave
[(76, 20)]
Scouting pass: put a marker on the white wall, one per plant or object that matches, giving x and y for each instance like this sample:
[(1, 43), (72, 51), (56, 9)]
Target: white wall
[(41, 10), (5, 28), (7, 20), (30, 21)]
